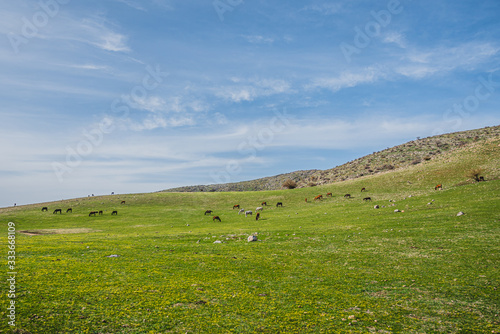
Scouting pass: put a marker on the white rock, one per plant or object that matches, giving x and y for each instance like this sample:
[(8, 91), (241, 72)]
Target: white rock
[(217, 242), (252, 238)]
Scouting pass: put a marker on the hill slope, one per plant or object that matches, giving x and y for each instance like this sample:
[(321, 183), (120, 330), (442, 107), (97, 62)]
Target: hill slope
[(401, 156)]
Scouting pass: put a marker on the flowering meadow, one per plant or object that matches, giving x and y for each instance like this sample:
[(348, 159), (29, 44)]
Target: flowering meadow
[(335, 265)]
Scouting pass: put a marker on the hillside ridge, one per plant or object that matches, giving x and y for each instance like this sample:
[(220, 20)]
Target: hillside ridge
[(404, 155)]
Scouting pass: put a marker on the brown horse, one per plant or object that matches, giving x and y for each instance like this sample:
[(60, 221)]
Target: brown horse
[(208, 212), (347, 196), (363, 189), (439, 186), (264, 203), (237, 206), (257, 216), (367, 199), (216, 218), (306, 200), (100, 213), (319, 197), (329, 194), (122, 202)]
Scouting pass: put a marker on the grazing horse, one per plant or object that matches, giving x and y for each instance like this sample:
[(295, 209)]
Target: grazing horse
[(237, 206), (306, 200), (363, 189), (208, 212), (100, 212), (69, 210), (264, 203), (57, 211), (439, 186), (257, 216), (241, 211), (347, 196), (92, 213), (367, 199), (279, 204), (45, 209), (248, 213), (122, 202), (259, 209), (214, 218), (319, 197), (329, 194), (114, 213), (481, 178)]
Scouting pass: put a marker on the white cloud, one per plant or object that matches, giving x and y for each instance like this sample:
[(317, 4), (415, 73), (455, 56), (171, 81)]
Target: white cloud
[(467, 56), (257, 39), (324, 8), (251, 89), (133, 4), (396, 38), (347, 79)]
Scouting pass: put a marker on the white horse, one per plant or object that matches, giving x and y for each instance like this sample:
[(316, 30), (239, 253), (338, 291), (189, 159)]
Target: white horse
[(248, 213), (241, 211), (259, 209)]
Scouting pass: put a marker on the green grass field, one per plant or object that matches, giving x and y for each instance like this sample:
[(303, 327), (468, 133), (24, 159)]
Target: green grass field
[(331, 266)]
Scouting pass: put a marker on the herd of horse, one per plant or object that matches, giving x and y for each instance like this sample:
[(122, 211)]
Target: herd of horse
[(236, 206), (70, 210)]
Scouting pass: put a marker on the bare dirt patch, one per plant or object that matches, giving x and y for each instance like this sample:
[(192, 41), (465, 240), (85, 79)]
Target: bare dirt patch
[(58, 231)]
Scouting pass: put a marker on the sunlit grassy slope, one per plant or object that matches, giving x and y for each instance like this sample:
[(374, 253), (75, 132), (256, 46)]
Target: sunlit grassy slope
[(331, 266)]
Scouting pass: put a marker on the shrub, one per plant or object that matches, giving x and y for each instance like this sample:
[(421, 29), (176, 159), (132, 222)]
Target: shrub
[(474, 174), (289, 184)]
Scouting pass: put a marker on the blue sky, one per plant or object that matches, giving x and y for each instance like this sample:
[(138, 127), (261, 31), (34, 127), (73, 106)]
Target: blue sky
[(132, 96)]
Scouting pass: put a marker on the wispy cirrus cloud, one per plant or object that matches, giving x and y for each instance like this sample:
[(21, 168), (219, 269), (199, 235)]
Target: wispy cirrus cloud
[(468, 56), (132, 4), (347, 79), (249, 90), (259, 39), (324, 8)]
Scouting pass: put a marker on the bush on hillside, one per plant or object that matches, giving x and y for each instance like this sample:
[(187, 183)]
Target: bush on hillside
[(475, 174), (289, 184)]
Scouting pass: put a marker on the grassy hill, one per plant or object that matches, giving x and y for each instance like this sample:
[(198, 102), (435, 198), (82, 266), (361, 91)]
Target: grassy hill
[(401, 156), (331, 266)]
